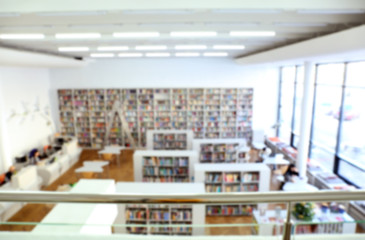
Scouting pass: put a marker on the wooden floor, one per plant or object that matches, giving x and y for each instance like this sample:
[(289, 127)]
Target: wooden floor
[(34, 213)]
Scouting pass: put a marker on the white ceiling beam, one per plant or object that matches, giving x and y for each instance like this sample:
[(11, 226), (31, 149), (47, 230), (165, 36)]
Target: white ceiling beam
[(345, 45), (14, 57), (26, 6)]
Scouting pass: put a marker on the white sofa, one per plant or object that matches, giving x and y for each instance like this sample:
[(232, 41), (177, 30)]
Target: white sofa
[(27, 180)]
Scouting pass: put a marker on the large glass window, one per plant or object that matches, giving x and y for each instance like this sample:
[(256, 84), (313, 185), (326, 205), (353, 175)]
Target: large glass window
[(286, 103), (327, 104), (352, 144)]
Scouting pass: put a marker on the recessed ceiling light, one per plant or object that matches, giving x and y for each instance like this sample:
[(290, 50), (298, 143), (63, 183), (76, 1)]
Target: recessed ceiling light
[(73, 49), (20, 36), (135, 34), (190, 47), (125, 55), (228, 47), (113, 48), (158, 54), (193, 34), (187, 54), (77, 35), (215, 54), (252, 33), (102, 55), (152, 47)]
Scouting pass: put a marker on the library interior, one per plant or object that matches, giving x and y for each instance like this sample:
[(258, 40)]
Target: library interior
[(182, 119)]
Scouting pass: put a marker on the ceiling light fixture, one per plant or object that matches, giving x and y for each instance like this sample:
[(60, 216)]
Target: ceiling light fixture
[(215, 54), (331, 11), (190, 47), (73, 49), (60, 14), (187, 54), (193, 34), (228, 47), (126, 55), (135, 34), (77, 35), (113, 48), (158, 54), (102, 55), (252, 33), (21, 36), (151, 48)]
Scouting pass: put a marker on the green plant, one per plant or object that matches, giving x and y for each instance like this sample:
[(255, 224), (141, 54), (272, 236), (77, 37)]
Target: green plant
[(304, 211)]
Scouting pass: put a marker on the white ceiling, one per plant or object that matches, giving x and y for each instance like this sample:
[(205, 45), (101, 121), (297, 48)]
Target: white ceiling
[(293, 21)]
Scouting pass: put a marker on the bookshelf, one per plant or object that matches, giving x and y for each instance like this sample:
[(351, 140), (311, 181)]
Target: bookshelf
[(218, 150), (209, 112), (225, 177), (164, 166), (131, 113), (169, 139), (146, 215)]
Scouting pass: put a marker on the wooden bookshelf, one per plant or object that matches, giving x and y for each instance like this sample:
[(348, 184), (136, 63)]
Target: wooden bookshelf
[(163, 166), (160, 219), (218, 150), (209, 113), (219, 178)]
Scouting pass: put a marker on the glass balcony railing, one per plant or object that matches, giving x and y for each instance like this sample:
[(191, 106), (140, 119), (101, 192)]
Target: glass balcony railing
[(272, 215)]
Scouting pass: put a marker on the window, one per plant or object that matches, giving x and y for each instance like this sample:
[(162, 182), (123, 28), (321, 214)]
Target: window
[(327, 103), (286, 103), (352, 144)]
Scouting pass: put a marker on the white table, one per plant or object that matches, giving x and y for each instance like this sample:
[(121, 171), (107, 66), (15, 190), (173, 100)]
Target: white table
[(82, 218), (278, 159), (299, 187), (89, 168), (97, 164), (114, 150)]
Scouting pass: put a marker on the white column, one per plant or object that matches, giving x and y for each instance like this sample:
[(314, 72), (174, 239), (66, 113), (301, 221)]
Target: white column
[(306, 117)]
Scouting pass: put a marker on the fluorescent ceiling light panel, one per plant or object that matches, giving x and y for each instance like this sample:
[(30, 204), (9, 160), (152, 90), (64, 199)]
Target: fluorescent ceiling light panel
[(193, 34), (59, 14), (73, 49), (228, 47), (293, 24), (77, 35), (190, 47), (9, 14), (265, 11), (252, 33), (152, 47), (135, 34), (158, 54), (331, 11), (126, 55), (187, 54), (102, 55), (152, 12), (113, 48), (20, 36), (215, 54)]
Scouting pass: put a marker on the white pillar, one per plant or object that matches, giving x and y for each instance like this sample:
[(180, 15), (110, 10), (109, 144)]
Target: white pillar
[(305, 119)]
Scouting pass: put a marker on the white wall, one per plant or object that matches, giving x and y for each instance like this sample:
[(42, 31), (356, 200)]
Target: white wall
[(19, 85), (172, 72)]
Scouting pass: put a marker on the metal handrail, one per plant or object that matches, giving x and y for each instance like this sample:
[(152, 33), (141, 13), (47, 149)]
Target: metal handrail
[(207, 198)]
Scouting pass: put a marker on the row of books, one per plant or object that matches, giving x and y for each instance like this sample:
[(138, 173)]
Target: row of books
[(229, 210), (166, 179), (164, 171)]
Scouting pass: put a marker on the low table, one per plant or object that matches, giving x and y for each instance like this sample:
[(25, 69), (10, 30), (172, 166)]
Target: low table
[(114, 150), (91, 169), (299, 187), (97, 163)]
